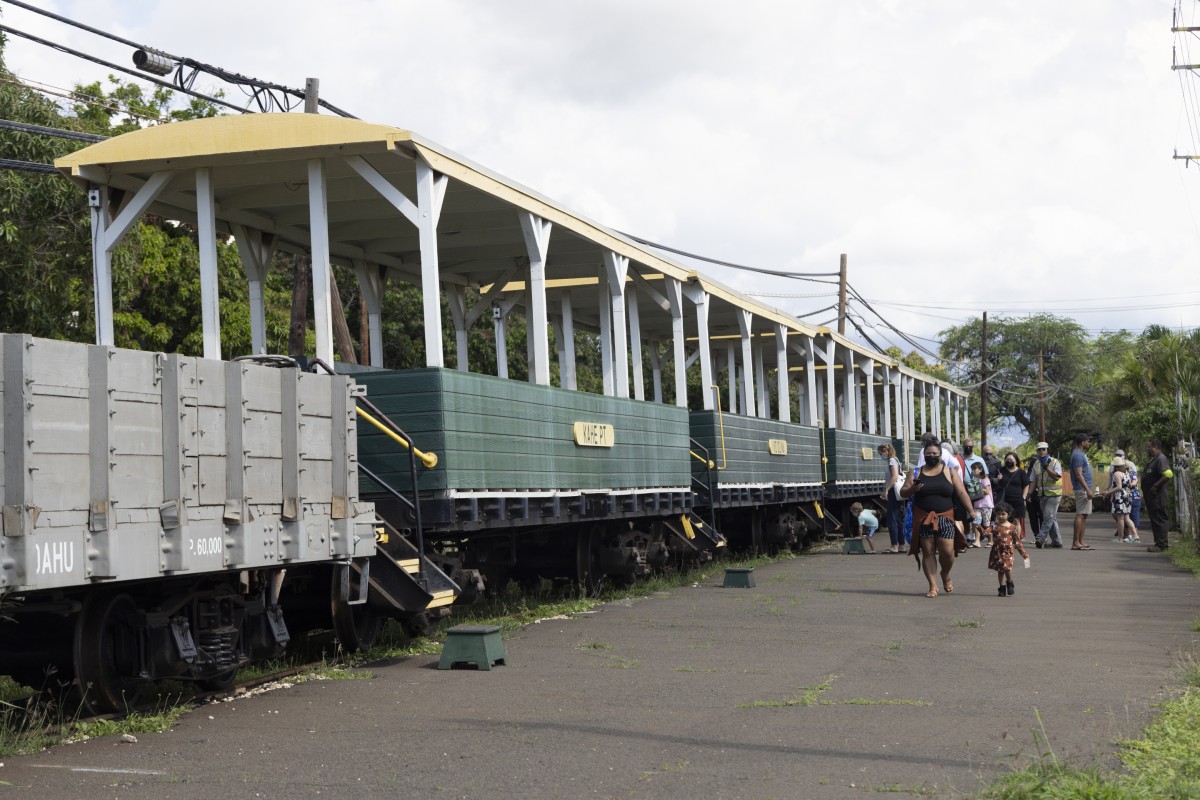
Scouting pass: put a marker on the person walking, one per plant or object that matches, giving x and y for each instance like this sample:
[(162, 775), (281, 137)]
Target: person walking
[(1154, 491), (1081, 482), (935, 488), (1047, 483), (993, 464), (1135, 491), (1033, 501), (1013, 488), (1004, 542), (891, 493), (983, 504)]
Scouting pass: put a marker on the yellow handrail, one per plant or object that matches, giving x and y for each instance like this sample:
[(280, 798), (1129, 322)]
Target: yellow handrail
[(721, 425), (702, 459), (430, 460), (824, 456)]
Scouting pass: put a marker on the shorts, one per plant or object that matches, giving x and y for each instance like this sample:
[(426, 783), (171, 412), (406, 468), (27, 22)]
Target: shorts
[(1083, 503), (985, 516), (869, 532), (945, 530)]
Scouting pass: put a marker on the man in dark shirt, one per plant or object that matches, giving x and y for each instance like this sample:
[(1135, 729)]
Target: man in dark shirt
[(1154, 481), (993, 463)]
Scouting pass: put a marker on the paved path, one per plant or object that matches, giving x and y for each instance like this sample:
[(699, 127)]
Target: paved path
[(648, 698)]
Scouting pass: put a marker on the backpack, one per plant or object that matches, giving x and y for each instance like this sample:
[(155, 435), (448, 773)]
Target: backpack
[(974, 488)]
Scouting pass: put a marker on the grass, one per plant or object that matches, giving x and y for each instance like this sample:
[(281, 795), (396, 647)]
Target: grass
[(1163, 764), (968, 623)]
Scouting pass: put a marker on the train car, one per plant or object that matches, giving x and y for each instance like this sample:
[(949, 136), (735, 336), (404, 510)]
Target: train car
[(175, 516)]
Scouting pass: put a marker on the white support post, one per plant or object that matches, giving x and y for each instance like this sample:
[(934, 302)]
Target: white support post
[(566, 366), (606, 327), (870, 392), (617, 269), (456, 299), (318, 214), (731, 373), (431, 191), (760, 382), (966, 421), (699, 298), (810, 370), (950, 417), (924, 404), (911, 394), (887, 400), (781, 374), (935, 411), (256, 249), (107, 234), (635, 342), (501, 333), (370, 283), (101, 266), (853, 421), (537, 242), (830, 357), (746, 328), (655, 370), (675, 297)]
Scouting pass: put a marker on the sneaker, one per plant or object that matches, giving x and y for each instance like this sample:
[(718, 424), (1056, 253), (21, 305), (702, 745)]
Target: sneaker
[(1156, 549), (1127, 539), (1058, 545), (1040, 544)]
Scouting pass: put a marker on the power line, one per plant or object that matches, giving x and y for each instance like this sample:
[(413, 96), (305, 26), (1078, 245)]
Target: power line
[(42, 130), (119, 68), (26, 166), (45, 88), (184, 82), (804, 276)]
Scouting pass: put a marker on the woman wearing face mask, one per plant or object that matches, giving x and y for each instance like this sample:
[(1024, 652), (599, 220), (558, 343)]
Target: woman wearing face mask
[(935, 489), (1013, 488)]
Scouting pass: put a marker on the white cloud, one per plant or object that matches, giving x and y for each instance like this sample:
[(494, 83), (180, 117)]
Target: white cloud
[(960, 155)]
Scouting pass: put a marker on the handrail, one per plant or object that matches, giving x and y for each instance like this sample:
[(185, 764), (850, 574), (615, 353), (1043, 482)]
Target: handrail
[(394, 432), (430, 460), (708, 481), (721, 426), (824, 456), (702, 459)]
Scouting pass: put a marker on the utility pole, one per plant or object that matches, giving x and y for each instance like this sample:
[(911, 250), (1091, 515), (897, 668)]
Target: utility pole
[(842, 298), (312, 88), (1041, 394), (983, 386)]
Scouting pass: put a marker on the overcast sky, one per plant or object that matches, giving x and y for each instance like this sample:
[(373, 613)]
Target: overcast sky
[(1010, 156)]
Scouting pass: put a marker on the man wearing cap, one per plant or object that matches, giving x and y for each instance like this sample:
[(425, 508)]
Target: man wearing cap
[(1047, 482), (1081, 482)]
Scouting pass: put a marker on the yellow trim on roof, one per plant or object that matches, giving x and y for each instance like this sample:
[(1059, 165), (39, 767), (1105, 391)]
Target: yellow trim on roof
[(232, 139)]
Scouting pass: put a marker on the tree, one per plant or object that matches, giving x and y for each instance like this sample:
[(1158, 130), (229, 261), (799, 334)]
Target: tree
[(1151, 391), (1011, 375)]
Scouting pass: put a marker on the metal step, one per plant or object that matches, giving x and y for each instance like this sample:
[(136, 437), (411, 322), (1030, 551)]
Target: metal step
[(695, 533), (401, 580)]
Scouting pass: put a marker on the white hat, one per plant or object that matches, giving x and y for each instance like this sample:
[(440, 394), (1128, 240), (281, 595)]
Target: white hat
[(1118, 461), (1043, 446)]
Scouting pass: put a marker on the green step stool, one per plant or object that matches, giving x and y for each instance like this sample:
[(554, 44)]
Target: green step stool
[(853, 545), (739, 578), (480, 645)]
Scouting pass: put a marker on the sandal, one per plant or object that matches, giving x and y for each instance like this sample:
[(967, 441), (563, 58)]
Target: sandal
[(949, 586), (931, 593)]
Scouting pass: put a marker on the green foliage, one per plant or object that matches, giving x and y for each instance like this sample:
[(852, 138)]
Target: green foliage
[(1070, 365), (1151, 390)]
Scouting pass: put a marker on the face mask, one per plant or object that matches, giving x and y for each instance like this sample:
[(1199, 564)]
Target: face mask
[(968, 449), (931, 460), (1010, 463)]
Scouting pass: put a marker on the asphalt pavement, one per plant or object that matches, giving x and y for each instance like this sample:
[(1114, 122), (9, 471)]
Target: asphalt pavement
[(833, 677)]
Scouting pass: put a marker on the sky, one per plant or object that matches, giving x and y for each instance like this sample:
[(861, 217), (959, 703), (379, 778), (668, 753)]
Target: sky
[(1012, 157)]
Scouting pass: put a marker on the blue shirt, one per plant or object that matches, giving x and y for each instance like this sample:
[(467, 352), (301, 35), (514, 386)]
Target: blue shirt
[(1079, 459), (868, 521)]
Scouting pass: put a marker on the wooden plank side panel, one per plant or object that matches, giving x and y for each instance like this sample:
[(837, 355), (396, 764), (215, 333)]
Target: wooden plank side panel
[(494, 434), (845, 452), (746, 453)]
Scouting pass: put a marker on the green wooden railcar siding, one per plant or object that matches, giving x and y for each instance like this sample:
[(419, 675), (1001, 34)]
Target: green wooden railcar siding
[(747, 457), (491, 434), (844, 449)]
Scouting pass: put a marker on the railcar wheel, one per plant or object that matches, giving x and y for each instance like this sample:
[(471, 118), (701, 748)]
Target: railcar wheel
[(357, 626), (106, 654)]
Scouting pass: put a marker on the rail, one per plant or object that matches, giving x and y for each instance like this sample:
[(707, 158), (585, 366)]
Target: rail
[(707, 483), (721, 426)]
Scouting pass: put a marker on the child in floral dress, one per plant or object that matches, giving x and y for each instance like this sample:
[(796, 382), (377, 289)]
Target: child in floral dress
[(1005, 540)]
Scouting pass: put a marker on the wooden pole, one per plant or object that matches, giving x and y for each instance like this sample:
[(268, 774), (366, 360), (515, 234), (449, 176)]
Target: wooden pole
[(983, 386), (842, 298), (297, 340), (1041, 397)]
